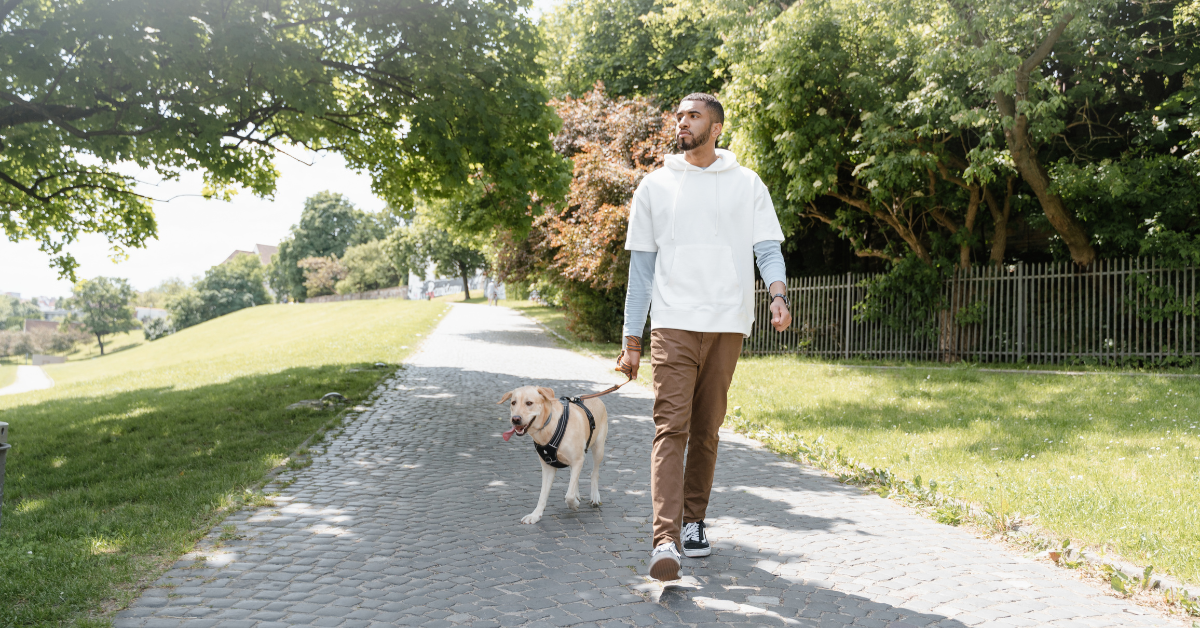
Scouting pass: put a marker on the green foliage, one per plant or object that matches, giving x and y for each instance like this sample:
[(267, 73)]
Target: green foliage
[(328, 226), (1138, 204), (13, 312), (225, 288), (593, 315), (156, 328), (105, 307), (432, 97), (160, 294), (899, 125), (634, 47), (368, 267), (236, 284), (907, 299), (186, 309), (426, 242), (321, 274)]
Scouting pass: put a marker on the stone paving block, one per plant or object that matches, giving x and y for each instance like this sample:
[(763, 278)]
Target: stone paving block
[(411, 517)]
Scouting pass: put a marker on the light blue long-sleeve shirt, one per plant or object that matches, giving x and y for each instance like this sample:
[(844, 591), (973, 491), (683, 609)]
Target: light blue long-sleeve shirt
[(767, 254)]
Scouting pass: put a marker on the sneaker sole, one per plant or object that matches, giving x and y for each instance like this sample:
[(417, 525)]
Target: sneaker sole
[(665, 569), (697, 553)]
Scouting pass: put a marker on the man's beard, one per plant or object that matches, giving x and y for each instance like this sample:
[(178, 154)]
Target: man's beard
[(695, 140)]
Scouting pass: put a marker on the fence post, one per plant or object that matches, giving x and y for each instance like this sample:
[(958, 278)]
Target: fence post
[(3, 454), (1020, 310), (846, 344)]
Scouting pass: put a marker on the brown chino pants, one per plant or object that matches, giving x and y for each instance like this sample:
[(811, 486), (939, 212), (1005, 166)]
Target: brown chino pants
[(692, 372)]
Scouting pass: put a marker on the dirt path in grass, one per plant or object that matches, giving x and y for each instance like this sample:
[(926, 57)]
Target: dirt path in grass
[(28, 378), (412, 517)]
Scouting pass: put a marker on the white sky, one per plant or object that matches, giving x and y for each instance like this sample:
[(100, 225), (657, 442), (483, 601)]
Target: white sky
[(195, 234)]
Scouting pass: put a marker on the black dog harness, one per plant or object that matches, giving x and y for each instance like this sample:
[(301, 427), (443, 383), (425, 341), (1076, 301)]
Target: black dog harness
[(549, 451)]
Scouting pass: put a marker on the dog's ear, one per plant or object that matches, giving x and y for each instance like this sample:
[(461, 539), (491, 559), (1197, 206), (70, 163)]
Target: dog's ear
[(547, 393), (506, 397)]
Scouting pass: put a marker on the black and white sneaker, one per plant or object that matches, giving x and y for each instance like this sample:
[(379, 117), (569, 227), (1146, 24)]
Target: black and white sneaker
[(695, 541)]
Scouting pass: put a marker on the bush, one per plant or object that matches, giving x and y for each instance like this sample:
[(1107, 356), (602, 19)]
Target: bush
[(156, 328), (594, 315), (368, 267), (321, 275)]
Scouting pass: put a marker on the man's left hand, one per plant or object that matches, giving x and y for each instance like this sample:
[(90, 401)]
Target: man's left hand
[(781, 318)]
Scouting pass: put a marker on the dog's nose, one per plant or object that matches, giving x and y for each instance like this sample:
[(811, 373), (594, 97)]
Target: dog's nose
[(516, 420)]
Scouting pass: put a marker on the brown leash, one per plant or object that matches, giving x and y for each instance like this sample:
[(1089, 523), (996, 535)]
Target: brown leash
[(605, 392), (632, 343)]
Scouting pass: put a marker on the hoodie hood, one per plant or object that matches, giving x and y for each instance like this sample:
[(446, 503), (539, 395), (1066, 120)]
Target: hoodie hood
[(725, 161)]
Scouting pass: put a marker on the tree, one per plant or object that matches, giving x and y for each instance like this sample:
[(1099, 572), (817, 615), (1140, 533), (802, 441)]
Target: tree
[(635, 47), (368, 267), (328, 225), (225, 288), (104, 306), (237, 284), (321, 274), (160, 294), (426, 96), (424, 242), (13, 312), (579, 249)]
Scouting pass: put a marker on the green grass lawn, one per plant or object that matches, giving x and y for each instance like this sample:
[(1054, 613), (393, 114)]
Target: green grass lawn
[(1109, 460), (132, 457), (8, 374), (1113, 461)]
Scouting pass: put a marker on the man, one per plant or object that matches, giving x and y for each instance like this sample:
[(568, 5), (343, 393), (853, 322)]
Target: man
[(695, 228)]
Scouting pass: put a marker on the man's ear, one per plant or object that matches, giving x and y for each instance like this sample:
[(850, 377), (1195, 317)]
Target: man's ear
[(547, 393), (506, 397)]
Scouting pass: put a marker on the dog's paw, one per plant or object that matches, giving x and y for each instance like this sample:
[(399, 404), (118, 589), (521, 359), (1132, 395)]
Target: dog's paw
[(596, 501), (531, 518), (573, 502)]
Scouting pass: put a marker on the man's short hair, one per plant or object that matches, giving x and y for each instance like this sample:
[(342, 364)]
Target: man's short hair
[(710, 102)]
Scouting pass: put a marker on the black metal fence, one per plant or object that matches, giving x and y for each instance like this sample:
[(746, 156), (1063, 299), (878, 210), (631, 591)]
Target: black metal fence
[(1112, 311)]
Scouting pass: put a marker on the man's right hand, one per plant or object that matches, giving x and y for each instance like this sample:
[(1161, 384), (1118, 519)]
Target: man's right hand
[(630, 357), (628, 363)]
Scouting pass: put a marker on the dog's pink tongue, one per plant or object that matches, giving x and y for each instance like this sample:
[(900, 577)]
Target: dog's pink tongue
[(507, 435)]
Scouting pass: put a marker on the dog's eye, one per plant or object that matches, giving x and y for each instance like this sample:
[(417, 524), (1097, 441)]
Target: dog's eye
[(529, 403), (514, 402)]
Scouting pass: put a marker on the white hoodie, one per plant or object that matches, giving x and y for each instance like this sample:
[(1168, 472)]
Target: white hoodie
[(703, 223)]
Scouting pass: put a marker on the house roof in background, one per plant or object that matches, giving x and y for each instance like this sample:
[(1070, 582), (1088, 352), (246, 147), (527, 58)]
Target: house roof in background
[(264, 252)]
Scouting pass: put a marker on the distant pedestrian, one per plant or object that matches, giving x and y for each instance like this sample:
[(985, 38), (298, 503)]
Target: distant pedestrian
[(696, 227), (492, 293)]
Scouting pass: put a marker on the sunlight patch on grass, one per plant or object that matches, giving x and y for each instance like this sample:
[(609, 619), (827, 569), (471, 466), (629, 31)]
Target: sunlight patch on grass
[(8, 374), (1112, 461)]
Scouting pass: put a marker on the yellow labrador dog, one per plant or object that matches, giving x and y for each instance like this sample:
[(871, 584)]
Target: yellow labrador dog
[(534, 410)]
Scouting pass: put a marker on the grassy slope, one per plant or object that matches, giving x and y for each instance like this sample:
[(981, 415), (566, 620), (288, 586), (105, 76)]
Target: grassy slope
[(132, 457), (8, 375), (1113, 461)]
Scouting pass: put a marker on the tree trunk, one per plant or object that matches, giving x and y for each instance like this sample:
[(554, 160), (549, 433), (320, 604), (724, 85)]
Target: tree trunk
[(466, 285), (1000, 222), (1025, 159), (964, 261), (1024, 155), (100, 341)]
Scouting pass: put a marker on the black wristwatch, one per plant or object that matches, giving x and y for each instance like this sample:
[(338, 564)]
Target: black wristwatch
[(780, 295)]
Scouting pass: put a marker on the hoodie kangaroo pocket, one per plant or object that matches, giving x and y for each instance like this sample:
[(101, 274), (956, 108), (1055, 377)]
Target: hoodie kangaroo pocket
[(702, 275)]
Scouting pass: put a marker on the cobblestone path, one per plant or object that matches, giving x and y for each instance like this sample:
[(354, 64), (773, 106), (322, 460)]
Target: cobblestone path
[(411, 517)]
